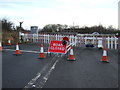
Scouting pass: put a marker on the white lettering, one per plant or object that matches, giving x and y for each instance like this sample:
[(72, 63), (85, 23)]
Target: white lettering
[(63, 48), (57, 44)]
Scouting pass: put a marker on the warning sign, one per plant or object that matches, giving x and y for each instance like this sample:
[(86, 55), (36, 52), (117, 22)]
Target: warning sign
[(57, 47), (66, 38)]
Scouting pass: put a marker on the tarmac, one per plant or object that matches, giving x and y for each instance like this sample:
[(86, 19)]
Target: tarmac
[(54, 71)]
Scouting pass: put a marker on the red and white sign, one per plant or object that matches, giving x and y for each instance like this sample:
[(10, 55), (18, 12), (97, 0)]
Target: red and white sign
[(57, 47)]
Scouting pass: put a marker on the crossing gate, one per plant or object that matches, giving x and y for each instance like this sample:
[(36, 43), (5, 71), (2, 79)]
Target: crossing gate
[(108, 40)]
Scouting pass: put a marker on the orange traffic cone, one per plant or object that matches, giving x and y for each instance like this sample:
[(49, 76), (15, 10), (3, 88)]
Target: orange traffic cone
[(41, 52), (17, 52), (104, 57), (71, 57), (0, 46), (9, 42)]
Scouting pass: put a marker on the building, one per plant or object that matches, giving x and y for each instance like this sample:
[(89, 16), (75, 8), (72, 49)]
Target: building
[(34, 29), (119, 15)]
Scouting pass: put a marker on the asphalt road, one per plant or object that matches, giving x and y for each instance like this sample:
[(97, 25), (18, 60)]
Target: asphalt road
[(19, 70), (86, 72), (56, 72)]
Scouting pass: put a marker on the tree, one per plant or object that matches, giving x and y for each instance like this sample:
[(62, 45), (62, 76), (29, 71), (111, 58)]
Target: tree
[(53, 27), (47, 28), (18, 28), (6, 25), (110, 28)]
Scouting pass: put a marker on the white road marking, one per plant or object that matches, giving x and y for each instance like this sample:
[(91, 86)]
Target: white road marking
[(24, 51), (48, 74), (33, 80), (45, 78)]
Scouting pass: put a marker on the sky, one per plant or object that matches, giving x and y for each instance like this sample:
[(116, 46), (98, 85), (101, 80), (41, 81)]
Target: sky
[(42, 12)]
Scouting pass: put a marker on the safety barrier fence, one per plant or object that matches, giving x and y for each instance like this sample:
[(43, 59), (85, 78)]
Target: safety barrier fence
[(111, 42)]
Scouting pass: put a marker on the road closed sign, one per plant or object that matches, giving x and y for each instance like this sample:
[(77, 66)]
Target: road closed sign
[(57, 47)]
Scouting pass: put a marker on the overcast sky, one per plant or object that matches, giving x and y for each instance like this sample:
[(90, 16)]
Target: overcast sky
[(42, 12)]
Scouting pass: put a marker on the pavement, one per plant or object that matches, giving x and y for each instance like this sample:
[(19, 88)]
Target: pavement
[(55, 71)]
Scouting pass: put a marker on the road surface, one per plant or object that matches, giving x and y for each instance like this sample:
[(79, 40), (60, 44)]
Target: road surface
[(55, 71)]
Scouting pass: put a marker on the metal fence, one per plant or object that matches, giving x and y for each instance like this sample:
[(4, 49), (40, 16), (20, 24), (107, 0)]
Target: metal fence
[(110, 41)]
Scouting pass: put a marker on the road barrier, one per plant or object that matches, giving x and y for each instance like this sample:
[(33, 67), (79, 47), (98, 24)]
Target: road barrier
[(110, 41), (69, 47)]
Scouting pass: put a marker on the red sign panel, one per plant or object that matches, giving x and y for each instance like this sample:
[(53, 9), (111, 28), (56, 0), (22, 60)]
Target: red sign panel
[(66, 38), (57, 47)]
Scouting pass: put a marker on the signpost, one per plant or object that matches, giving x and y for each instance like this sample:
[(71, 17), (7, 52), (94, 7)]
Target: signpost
[(57, 47), (65, 41)]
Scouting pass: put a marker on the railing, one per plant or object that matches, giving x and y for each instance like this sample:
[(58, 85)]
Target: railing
[(111, 42)]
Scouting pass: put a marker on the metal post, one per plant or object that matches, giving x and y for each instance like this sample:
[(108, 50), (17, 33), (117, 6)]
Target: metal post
[(85, 40), (108, 42), (115, 43), (111, 42), (56, 37), (93, 40), (75, 40)]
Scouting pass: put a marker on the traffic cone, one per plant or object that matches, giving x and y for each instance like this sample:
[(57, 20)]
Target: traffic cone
[(41, 56), (71, 57), (17, 52), (9, 42), (104, 57), (0, 46)]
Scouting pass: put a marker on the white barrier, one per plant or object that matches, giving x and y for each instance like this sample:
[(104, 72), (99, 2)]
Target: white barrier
[(111, 42), (68, 47)]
